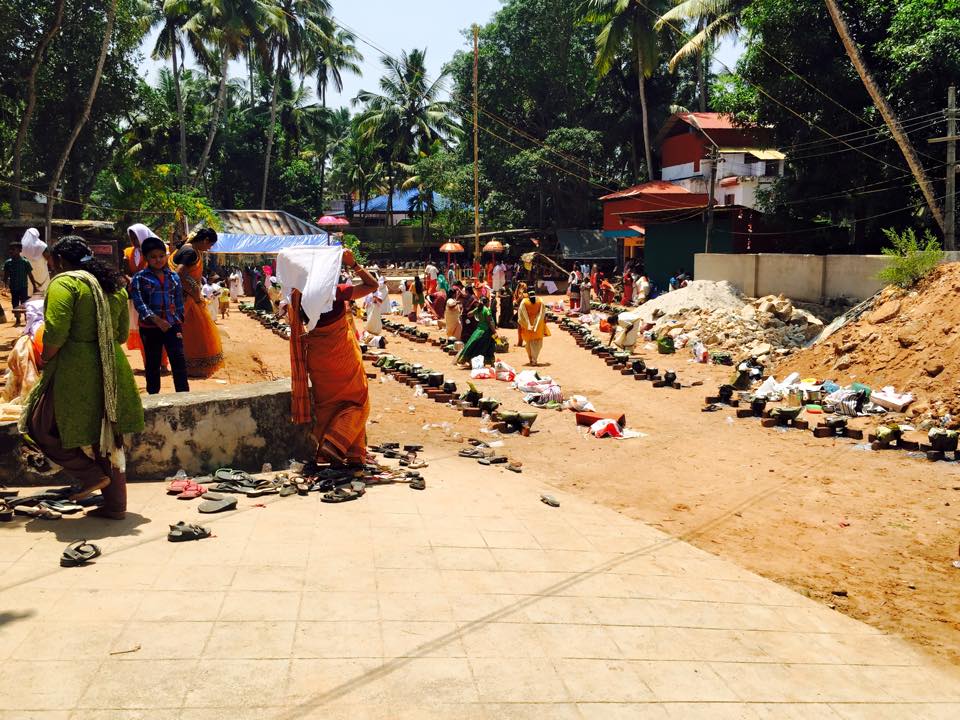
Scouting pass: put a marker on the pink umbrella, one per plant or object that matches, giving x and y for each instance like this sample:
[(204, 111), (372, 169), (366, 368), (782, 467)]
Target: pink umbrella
[(332, 220)]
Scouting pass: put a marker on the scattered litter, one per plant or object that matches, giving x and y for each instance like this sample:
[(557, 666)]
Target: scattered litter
[(134, 649), (549, 500)]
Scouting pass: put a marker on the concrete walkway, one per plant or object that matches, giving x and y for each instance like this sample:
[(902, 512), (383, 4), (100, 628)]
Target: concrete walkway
[(471, 599)]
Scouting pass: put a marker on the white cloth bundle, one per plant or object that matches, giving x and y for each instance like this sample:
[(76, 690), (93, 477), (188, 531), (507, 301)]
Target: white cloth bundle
[(315, 272)]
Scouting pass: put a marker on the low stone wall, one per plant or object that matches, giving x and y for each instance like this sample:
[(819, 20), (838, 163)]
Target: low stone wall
[(811, 278), (240, 427)]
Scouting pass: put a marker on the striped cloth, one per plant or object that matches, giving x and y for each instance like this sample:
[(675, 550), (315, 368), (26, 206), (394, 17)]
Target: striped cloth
[(300, 408)]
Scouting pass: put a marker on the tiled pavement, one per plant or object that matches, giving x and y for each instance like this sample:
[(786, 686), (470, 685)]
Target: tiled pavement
[(469, 600)]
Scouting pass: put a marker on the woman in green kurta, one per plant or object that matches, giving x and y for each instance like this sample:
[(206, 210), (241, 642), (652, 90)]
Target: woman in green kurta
[(481, 341), (86, 399)]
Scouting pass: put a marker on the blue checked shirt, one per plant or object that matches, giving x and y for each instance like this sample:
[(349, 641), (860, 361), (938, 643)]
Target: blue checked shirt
[(153, 297)]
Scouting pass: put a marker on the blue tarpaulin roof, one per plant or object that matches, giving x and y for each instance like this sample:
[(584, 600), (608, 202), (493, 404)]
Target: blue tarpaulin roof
[(403, 202), (265, 244)]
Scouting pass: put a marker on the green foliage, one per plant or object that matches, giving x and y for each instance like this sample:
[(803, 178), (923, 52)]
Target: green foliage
[(796, 79), (352, 243), (911, 259), (151, 196)]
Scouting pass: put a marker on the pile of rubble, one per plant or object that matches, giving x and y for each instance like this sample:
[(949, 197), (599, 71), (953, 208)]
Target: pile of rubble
[(715, 314)]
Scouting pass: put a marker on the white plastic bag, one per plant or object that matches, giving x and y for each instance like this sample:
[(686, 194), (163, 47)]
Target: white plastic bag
[(700, 352), (477, 362), (579, 403)]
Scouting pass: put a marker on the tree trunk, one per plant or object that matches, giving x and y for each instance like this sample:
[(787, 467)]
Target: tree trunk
[(215, 120), (887, 113), (323, 151), (84, 116), (702, 59), (642, 83), (270, 128), (181, 119), (31, 104)]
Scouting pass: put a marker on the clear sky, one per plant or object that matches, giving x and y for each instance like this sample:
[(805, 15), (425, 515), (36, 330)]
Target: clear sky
[(437, 25)]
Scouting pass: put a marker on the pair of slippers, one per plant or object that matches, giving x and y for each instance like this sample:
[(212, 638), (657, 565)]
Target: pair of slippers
[(186, 489), (182, 532)]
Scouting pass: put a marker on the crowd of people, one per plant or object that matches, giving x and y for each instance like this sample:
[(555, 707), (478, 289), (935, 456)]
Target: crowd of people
[(163, 303)]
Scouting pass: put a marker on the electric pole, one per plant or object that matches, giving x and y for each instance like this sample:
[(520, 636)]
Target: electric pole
[(476, 145), (950, 201), (714, 158)]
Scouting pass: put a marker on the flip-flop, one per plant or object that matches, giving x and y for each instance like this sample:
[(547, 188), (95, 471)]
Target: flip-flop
[(61, 506), (191, 491), (181, 532), (178, 486), (339, 495), (549, 500), (231, 475), (79, 553), (216, 503), (35, 511), (515, 466), (6, 513)]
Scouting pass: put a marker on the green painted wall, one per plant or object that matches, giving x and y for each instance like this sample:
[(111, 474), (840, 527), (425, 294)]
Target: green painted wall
[(670, 246)]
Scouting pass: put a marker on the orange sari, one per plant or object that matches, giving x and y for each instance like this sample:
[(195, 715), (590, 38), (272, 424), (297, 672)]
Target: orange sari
[(331, 358), (201, 339), (133, 267)]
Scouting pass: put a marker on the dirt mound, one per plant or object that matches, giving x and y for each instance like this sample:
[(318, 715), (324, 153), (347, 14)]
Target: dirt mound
[(907, 339)]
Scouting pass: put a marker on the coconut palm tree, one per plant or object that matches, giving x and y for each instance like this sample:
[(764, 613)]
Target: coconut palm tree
[(714, 20), (627, 24), (357, 168), (406, 115), (289, 41), (231, 28), (172, 17), (333, 54)]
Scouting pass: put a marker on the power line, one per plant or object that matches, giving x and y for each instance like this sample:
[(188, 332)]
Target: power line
[(771, 97)]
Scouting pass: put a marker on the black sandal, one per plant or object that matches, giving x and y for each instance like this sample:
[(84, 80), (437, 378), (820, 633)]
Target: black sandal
[(339, 495), (79, 553), (181, 532)]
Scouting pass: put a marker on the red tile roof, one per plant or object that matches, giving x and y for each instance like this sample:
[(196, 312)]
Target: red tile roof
[(657, 187)]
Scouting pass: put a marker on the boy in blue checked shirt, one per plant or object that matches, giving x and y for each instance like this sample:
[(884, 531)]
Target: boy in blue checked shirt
[(158, 297)]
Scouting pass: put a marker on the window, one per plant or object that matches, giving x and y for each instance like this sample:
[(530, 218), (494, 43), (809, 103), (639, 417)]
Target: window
[(729, 199)]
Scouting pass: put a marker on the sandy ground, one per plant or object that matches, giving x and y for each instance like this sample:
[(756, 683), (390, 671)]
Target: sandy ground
[(820, 516)]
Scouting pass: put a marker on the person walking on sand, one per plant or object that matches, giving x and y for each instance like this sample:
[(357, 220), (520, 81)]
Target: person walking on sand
[(236, 285), (431, 273), (157, 294), (532, 321), (86, 399), (325, 351), (17, 270)]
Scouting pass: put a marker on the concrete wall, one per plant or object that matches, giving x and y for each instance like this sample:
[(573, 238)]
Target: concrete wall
[(810, 278), (240, 427)]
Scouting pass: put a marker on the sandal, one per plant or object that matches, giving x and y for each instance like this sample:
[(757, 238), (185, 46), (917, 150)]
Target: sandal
[(79, 553), (61, 506), (339, 495), (417, 483), (217, 503), (35, 511), (550, 500), (515, 466), (231, 475), (191, 491), (181, 532)]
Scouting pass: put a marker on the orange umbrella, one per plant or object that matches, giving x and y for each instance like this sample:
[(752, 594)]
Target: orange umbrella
[(451, 247), (494, 246)]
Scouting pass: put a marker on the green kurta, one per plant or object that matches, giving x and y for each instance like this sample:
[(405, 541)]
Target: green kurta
[(70, 321)]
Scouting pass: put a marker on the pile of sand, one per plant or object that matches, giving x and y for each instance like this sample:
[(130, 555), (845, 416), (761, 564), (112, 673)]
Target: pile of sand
[(698, 295), (907, 339)]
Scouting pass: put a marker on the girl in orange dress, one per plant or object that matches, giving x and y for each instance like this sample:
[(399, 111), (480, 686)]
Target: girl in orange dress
[(201, 339)]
